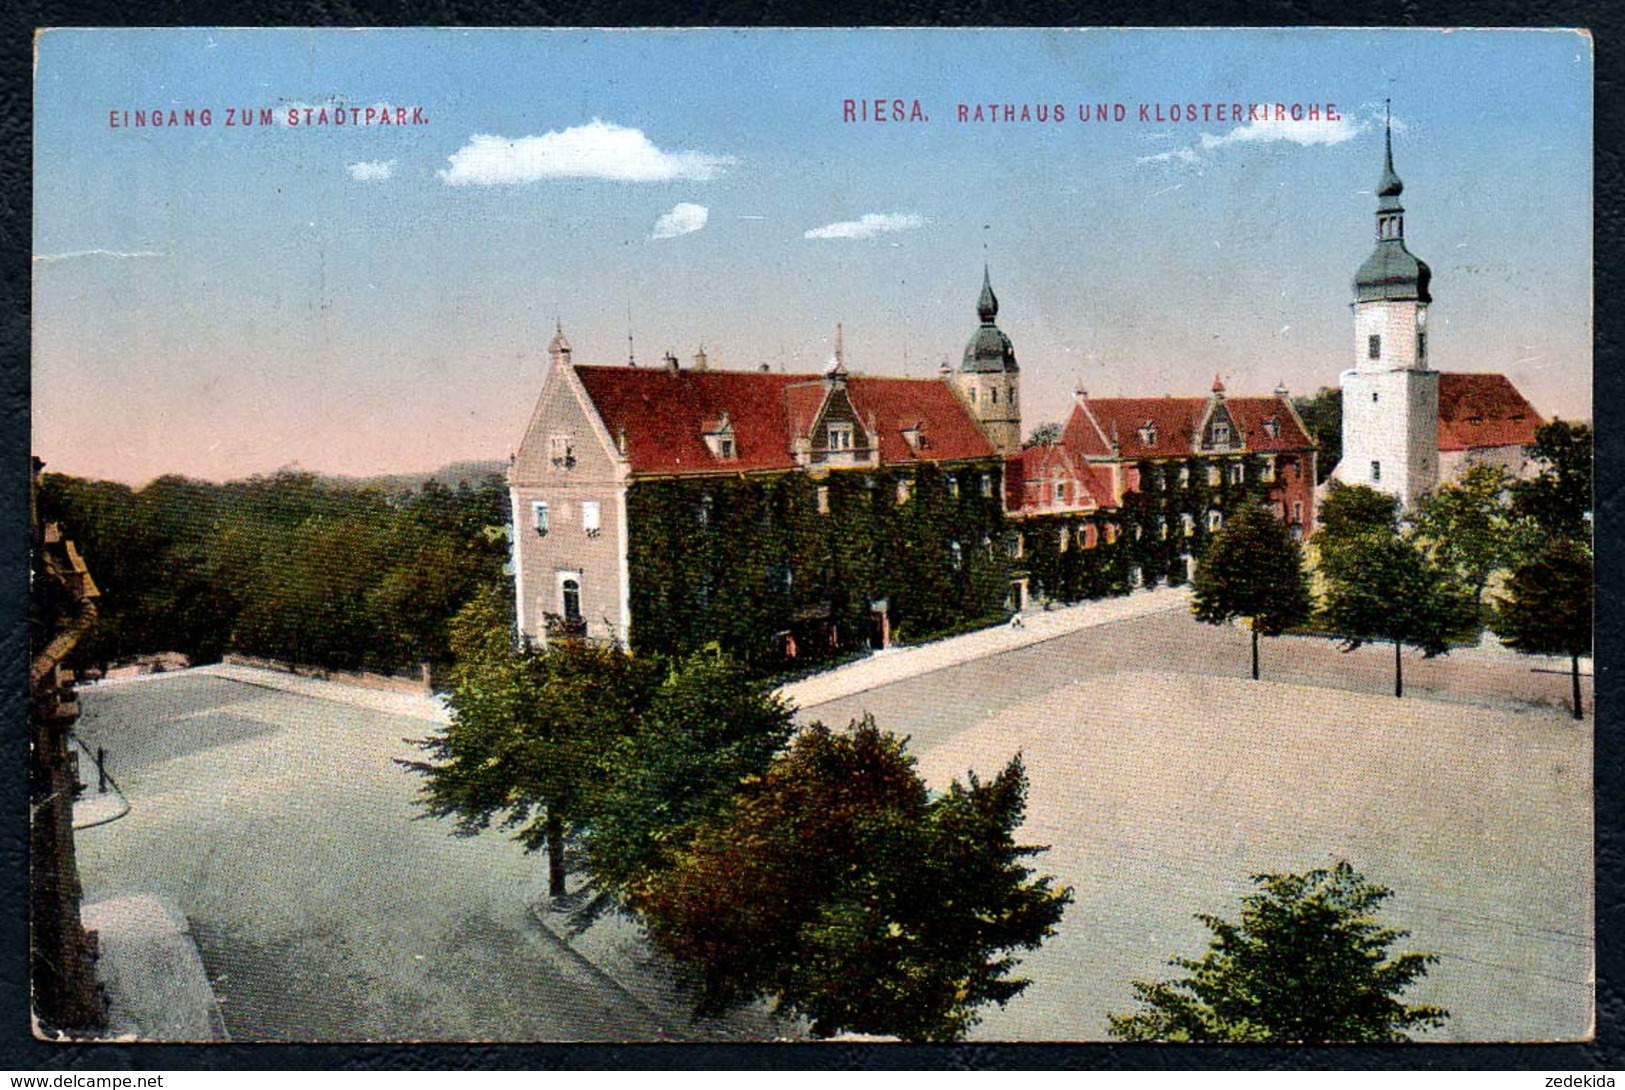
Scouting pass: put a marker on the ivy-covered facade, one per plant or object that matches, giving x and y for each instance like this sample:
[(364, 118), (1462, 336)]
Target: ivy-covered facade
[(794, 518)]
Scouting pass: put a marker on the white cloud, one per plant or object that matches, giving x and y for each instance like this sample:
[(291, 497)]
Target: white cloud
[(867, 226), (1183, 155), (1304, 133), (683, 219), (598, 149), (47, 259), (378, 170), (1321, 133)]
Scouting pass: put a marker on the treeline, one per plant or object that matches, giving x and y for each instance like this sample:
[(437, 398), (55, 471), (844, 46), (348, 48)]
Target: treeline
[(289, 566)]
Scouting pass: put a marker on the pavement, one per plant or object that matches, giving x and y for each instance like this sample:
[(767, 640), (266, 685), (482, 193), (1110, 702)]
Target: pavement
[(1032, 627), (150, 970), (1162, 776), (263, 808)]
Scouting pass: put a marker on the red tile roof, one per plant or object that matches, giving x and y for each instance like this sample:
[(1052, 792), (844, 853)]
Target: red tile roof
[(1175, 420), (1483, 410), (1038, 463), (663, 415)]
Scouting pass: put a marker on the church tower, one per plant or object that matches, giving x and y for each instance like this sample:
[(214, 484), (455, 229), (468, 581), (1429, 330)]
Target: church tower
[(1391, 396), (988, 380)]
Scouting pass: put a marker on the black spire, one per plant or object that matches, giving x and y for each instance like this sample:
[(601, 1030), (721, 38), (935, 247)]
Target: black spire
[(987, 307), (1390, 185)]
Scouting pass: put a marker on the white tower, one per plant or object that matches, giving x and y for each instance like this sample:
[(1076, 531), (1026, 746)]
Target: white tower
[(988, 379), (1390, 396)]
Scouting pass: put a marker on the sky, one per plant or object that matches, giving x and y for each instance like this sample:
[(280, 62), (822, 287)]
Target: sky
[(219, 300)]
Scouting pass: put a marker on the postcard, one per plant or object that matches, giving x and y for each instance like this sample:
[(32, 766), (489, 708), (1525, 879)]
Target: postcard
[(791, 535)]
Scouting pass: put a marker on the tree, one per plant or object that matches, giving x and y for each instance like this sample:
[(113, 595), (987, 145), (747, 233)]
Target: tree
[(1349, 514), (838, 886), (1308, 963), (1322, 414), (1470, 529), (533, 734), (1253, 569), (1045, 435), (1381, 588), (1559, 497), (1548, 607), (708, 728)]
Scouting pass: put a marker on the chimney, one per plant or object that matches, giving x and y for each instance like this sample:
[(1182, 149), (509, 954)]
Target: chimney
[(763, 368), (671, 362), (699, 359)]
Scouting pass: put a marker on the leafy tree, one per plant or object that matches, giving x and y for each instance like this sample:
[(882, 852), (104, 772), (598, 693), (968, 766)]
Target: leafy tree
[(1045, 435), (836, 885), (1382, 588), (1559, 497), (1253, 569), (1469, 526), (708, 728), (1349, 514), (1308, 962), (1322, 414), (1548, 607), (533, 733)]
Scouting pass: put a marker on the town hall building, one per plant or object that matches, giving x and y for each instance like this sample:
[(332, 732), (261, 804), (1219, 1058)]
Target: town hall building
[(791, 516)]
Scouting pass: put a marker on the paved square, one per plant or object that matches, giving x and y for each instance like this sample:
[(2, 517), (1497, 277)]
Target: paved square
[(1162, 777)]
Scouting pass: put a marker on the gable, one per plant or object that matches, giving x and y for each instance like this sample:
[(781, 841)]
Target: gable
[(564, 433)]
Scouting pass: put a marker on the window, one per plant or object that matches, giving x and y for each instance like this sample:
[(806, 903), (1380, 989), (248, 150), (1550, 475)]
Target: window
[(1376, 471), (706, 503), (823, 499), (1373, 397), (538, 516), (1162, 528), (1215, 519), (993, 394), (1297, 512), (1187, 522), (973, 395), (1269, 470), (591, 517), (1373, 346), (1421, 345), (570, 600), (1161, 477), (1017, 546), (725, 447), (1060, 491), (1238, 473), (987, 484), (840, 437), (1148, 434), (903, 491), (1184, 475), (1212, 475), (1221, 433), (953, 486), (1272, 428), (956, 555), (561, 451), (1066, 538)]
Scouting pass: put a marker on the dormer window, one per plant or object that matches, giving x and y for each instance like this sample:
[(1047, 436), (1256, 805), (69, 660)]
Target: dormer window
[(1148, 434), (719, 438), (1272, 428), (839, 437), (915, 437)]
